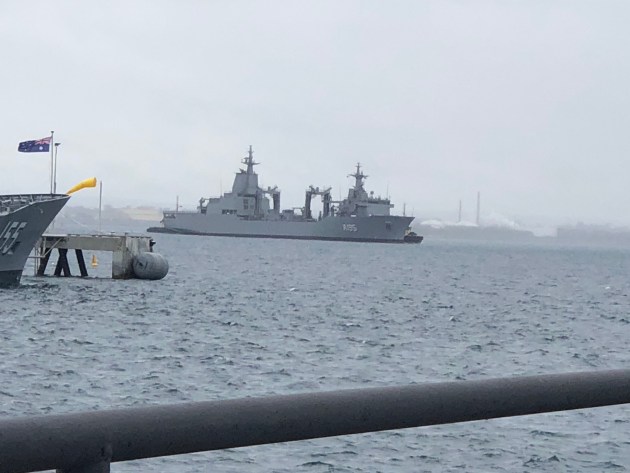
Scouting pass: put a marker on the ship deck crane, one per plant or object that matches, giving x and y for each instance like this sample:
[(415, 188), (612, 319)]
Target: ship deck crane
[(326, 199)]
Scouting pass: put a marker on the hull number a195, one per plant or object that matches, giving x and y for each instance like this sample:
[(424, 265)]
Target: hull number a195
[(350, 227)]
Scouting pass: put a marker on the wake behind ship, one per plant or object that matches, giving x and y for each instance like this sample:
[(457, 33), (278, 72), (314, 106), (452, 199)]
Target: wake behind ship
[(23, 220), (246, 212)]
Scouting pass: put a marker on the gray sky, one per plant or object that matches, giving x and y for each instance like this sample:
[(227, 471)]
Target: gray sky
[(525, 101)]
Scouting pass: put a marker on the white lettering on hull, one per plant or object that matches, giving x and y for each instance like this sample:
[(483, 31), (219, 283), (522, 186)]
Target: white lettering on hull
[(9, 236)]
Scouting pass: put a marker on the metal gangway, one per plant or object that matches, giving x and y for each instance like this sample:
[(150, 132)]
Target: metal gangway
[(89, 442)]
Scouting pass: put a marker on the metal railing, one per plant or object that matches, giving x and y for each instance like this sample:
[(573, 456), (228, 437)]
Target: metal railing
[(12, 202), (89, 441)]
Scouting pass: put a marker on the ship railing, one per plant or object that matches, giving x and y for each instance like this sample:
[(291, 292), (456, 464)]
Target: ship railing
[(90, 441), (10, 203), (176, 212), (13, 202)]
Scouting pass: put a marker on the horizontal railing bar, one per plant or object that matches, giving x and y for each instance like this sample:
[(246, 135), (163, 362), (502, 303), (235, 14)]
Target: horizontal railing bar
[(70, 440)]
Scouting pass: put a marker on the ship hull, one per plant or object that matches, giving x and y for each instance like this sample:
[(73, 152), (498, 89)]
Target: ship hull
[(10, 278), (377, 228), (19, 231)]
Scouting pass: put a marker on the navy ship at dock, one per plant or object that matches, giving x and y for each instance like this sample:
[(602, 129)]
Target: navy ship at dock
[(23, 220), (248, 211)]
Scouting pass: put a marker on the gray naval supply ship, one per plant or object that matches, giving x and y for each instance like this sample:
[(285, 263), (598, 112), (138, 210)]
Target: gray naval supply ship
[(23, 220), (246, 212)]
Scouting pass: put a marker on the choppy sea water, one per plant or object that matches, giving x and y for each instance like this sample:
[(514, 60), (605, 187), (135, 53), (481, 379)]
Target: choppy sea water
[(240, 317)]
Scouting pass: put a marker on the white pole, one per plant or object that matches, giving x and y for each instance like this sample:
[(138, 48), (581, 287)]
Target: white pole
[(100, 201), (52, 135), (478, 207), (55, 170)]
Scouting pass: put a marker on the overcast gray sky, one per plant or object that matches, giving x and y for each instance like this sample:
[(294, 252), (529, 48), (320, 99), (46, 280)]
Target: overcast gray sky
[(525, 101)]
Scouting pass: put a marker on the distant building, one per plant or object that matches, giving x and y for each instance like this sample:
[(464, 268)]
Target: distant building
[(148, 214), (471, 231)]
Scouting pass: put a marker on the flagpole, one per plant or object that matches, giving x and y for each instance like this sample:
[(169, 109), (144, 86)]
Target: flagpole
[(55, 172), (52, 134)]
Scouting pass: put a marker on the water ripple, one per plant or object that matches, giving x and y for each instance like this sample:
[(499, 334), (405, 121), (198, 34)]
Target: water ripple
[(239, 318)]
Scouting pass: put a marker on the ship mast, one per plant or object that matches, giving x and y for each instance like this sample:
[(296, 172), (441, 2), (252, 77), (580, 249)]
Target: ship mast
[(358, 177), (249, 161)]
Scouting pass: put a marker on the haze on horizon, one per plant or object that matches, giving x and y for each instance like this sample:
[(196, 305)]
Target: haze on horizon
[(526, 102)]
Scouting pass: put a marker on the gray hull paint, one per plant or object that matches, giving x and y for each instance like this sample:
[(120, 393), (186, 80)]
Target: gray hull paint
[(386, 229), (36, 216), (10, 278)]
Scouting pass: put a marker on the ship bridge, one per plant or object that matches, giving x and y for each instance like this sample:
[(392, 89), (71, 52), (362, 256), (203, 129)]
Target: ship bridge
[(359, 202)]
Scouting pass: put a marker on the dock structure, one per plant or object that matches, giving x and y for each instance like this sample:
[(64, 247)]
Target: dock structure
[(123, 247)]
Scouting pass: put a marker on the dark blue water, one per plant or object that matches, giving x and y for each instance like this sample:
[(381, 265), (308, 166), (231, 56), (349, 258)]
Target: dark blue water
[(239, 317)]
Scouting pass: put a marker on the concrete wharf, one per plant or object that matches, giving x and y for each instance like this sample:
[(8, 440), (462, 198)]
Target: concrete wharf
[(123, 247)]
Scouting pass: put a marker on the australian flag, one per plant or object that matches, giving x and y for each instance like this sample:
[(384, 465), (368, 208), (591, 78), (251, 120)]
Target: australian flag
[(35, 146)]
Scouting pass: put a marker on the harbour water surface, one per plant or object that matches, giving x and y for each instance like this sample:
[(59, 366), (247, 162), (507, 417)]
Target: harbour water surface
[(241, 317)]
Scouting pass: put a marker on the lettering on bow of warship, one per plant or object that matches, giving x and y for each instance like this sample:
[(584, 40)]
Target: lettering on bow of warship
[(9, 237), (350, 227)]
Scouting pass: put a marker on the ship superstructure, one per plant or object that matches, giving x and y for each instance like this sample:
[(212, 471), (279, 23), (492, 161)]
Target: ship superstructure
[(249, 210)]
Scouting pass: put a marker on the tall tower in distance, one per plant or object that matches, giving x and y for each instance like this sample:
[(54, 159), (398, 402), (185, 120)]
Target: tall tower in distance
[(478, 206)]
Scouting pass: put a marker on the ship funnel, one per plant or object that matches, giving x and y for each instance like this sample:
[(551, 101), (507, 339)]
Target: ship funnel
[(91, 182)]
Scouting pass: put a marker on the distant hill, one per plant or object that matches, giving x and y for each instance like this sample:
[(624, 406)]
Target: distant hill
[(75, 219)]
